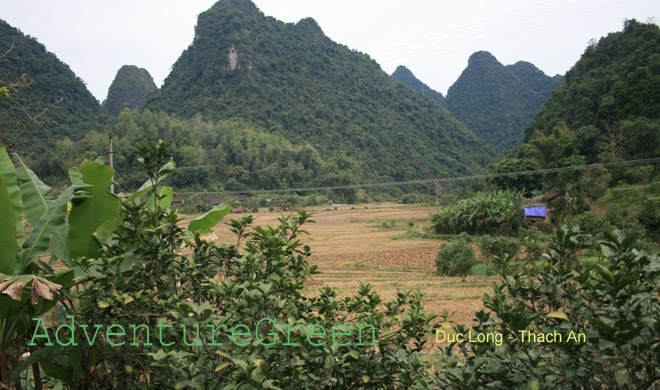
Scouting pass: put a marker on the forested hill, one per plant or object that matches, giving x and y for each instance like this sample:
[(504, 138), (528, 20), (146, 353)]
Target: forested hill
[(405, 76), (51, 79), (498, 102), (129, 89), (610, 103), (289, 78)]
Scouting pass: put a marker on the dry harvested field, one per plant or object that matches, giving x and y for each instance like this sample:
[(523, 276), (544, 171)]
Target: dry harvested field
[(369, 245)]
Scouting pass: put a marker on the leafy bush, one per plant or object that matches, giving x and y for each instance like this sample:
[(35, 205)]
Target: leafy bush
[(455, 259), (612, 310), (501, 212), (590, 223), (57, 230), (639, 174), (499, 250), (596, 182), (150, 271), (648, 215), (410, 198), (644, 242), (534, 242)]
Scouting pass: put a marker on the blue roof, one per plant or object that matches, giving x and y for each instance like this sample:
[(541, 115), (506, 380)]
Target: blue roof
[(535, 212)]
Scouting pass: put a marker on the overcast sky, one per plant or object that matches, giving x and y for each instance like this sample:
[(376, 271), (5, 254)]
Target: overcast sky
[(434, 38)]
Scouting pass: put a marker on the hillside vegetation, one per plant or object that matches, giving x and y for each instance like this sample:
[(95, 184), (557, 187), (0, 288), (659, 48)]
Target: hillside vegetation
[(129, 89), (611, 97), (405, 76), (498, 102), (291, 80), (46, 80), (607, 110)]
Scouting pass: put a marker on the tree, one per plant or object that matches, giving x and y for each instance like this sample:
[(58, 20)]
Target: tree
[(150, 271), (526, 184)]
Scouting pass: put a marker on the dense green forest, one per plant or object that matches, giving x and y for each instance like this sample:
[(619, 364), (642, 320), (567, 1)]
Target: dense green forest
[(606, 111), (227, 154), (46, 81), (290, 79), (315, 102), (405, 76), (129, 89), (609, 106), (498, 102)]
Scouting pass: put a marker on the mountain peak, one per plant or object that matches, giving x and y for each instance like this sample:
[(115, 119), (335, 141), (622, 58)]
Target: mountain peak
[(241, 5), (309, 26), (401, 70), (295, 82), (406, 76), (482, 58), (498, 102), (129, 89)]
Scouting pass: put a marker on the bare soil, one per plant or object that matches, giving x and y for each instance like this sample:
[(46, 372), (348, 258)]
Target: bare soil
[(368, 244)]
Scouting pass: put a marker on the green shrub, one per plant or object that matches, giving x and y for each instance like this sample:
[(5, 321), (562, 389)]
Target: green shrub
[(639, 174), (455, 259), (596, 182), (152, 271), (499, 213), (410, 198), (534, 244), (526, 184), (612, 310), (499, 251), (648, 215), (590, 223), (644, 242)]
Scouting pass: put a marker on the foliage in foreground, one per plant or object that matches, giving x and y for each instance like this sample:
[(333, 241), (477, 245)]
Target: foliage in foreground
[(33, 227), (615, 305), (149, 271)]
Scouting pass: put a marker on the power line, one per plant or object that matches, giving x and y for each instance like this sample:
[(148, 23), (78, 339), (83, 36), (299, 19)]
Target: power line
[(481, 32), (463, 27), (438, 180), (502, 36)]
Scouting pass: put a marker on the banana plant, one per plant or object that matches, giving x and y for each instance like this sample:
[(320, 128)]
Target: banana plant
[(55, 230), (74, 225)]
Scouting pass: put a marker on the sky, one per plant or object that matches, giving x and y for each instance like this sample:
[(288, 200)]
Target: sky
[(433, 38)]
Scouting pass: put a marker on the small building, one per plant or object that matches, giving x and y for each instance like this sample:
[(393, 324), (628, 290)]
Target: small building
[(178, 201), (536, 213)]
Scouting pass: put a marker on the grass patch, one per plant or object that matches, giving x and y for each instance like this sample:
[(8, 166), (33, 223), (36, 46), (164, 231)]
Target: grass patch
[(628, 198), (421, 231), (481, 268)]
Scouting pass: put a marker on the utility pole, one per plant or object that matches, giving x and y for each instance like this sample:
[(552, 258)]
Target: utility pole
[(112, 184)]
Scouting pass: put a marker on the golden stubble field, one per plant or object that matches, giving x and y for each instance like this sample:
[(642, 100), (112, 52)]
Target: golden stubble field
[(368, 244)]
